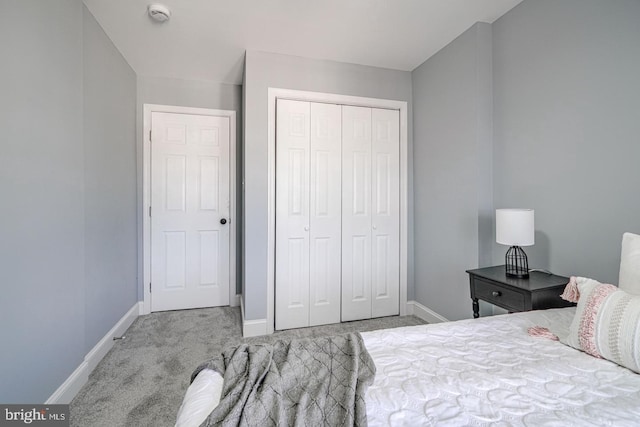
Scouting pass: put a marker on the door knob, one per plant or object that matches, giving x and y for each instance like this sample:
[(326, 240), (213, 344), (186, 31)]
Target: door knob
[(223, 221)]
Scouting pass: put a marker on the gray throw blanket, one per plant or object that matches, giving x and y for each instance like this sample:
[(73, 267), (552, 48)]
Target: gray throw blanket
[(301, 382)]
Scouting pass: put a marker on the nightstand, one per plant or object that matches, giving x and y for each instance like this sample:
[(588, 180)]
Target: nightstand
[(540, 291)]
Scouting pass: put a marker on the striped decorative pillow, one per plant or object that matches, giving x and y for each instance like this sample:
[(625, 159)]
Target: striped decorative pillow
[(606, 323)]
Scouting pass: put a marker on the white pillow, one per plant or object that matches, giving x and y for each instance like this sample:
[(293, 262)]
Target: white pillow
[(607, 323), (629, 279), (202, 396)]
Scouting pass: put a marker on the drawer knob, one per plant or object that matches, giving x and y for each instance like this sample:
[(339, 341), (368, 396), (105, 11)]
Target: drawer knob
[(496, 293)]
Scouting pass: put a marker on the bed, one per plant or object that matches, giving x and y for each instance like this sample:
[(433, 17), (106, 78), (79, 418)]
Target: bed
[(492, 371)]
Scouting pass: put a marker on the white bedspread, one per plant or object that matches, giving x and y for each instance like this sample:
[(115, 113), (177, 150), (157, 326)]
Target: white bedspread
[(490, 372)]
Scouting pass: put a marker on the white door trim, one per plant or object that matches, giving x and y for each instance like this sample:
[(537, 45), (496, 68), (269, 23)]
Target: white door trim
[(273, 94), (146, 193)]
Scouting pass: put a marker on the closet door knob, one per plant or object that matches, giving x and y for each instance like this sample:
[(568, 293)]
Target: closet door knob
[(306, 228), (375, 228), (223, 221)]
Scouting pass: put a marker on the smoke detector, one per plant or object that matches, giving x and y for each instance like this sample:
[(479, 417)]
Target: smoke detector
[(159, 13)]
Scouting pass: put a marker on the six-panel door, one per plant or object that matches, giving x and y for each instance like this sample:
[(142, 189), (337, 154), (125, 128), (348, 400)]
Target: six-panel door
[(189, 198)]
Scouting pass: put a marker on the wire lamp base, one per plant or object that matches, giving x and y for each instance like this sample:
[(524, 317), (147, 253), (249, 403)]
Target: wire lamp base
[(516, 263)]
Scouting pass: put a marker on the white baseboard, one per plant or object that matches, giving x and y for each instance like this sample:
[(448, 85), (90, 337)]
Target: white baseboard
[(252, 328), (234, 301), (72, 385), (425, 313), (101, 349)]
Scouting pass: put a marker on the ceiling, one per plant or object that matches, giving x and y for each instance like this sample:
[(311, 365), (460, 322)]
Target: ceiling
[(206, 39)]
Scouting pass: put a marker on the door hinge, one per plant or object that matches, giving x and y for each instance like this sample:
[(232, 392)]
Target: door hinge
[(149, 135), (149, 210), (149, 287)]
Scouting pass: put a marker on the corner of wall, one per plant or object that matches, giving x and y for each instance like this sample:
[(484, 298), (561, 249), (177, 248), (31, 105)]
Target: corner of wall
[(484, 98), (252, 328), (452, 95), (414, 308)]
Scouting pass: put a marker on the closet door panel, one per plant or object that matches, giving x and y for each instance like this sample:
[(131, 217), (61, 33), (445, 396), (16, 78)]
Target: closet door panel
[(385, 215), (292, 213), (356, 213), (325, 217)]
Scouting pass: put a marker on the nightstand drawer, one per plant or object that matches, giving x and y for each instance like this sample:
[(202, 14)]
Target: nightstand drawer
[(499, 295), (538, 292)]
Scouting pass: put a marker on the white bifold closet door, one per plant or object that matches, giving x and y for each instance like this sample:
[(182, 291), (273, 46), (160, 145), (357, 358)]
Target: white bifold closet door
[(308, 214), (370, 213)]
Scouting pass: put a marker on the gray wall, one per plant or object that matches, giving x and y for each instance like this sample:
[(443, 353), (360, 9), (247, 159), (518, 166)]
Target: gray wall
[(264, 70), (452, 170), (567, 129), (48, 309), (191, 93), (110, 241), (41, 183)]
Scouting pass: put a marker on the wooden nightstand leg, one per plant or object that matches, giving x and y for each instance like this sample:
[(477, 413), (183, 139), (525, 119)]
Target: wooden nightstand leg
[(476, 308)]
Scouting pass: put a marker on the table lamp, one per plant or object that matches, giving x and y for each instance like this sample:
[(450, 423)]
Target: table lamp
[(515, 228)]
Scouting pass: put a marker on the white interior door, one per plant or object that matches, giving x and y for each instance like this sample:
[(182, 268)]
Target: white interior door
[(189, 202), (325, 214), (356, 213), (292, 213), (370, 212), (308, 218), (385, 212)]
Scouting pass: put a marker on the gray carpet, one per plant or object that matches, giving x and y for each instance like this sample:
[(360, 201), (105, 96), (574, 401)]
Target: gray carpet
[(142, 380)]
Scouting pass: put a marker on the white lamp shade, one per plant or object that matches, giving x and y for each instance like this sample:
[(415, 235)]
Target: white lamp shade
[(515, 227)]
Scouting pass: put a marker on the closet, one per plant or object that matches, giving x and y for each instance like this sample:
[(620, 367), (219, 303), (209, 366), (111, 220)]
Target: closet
[(337, 213)]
